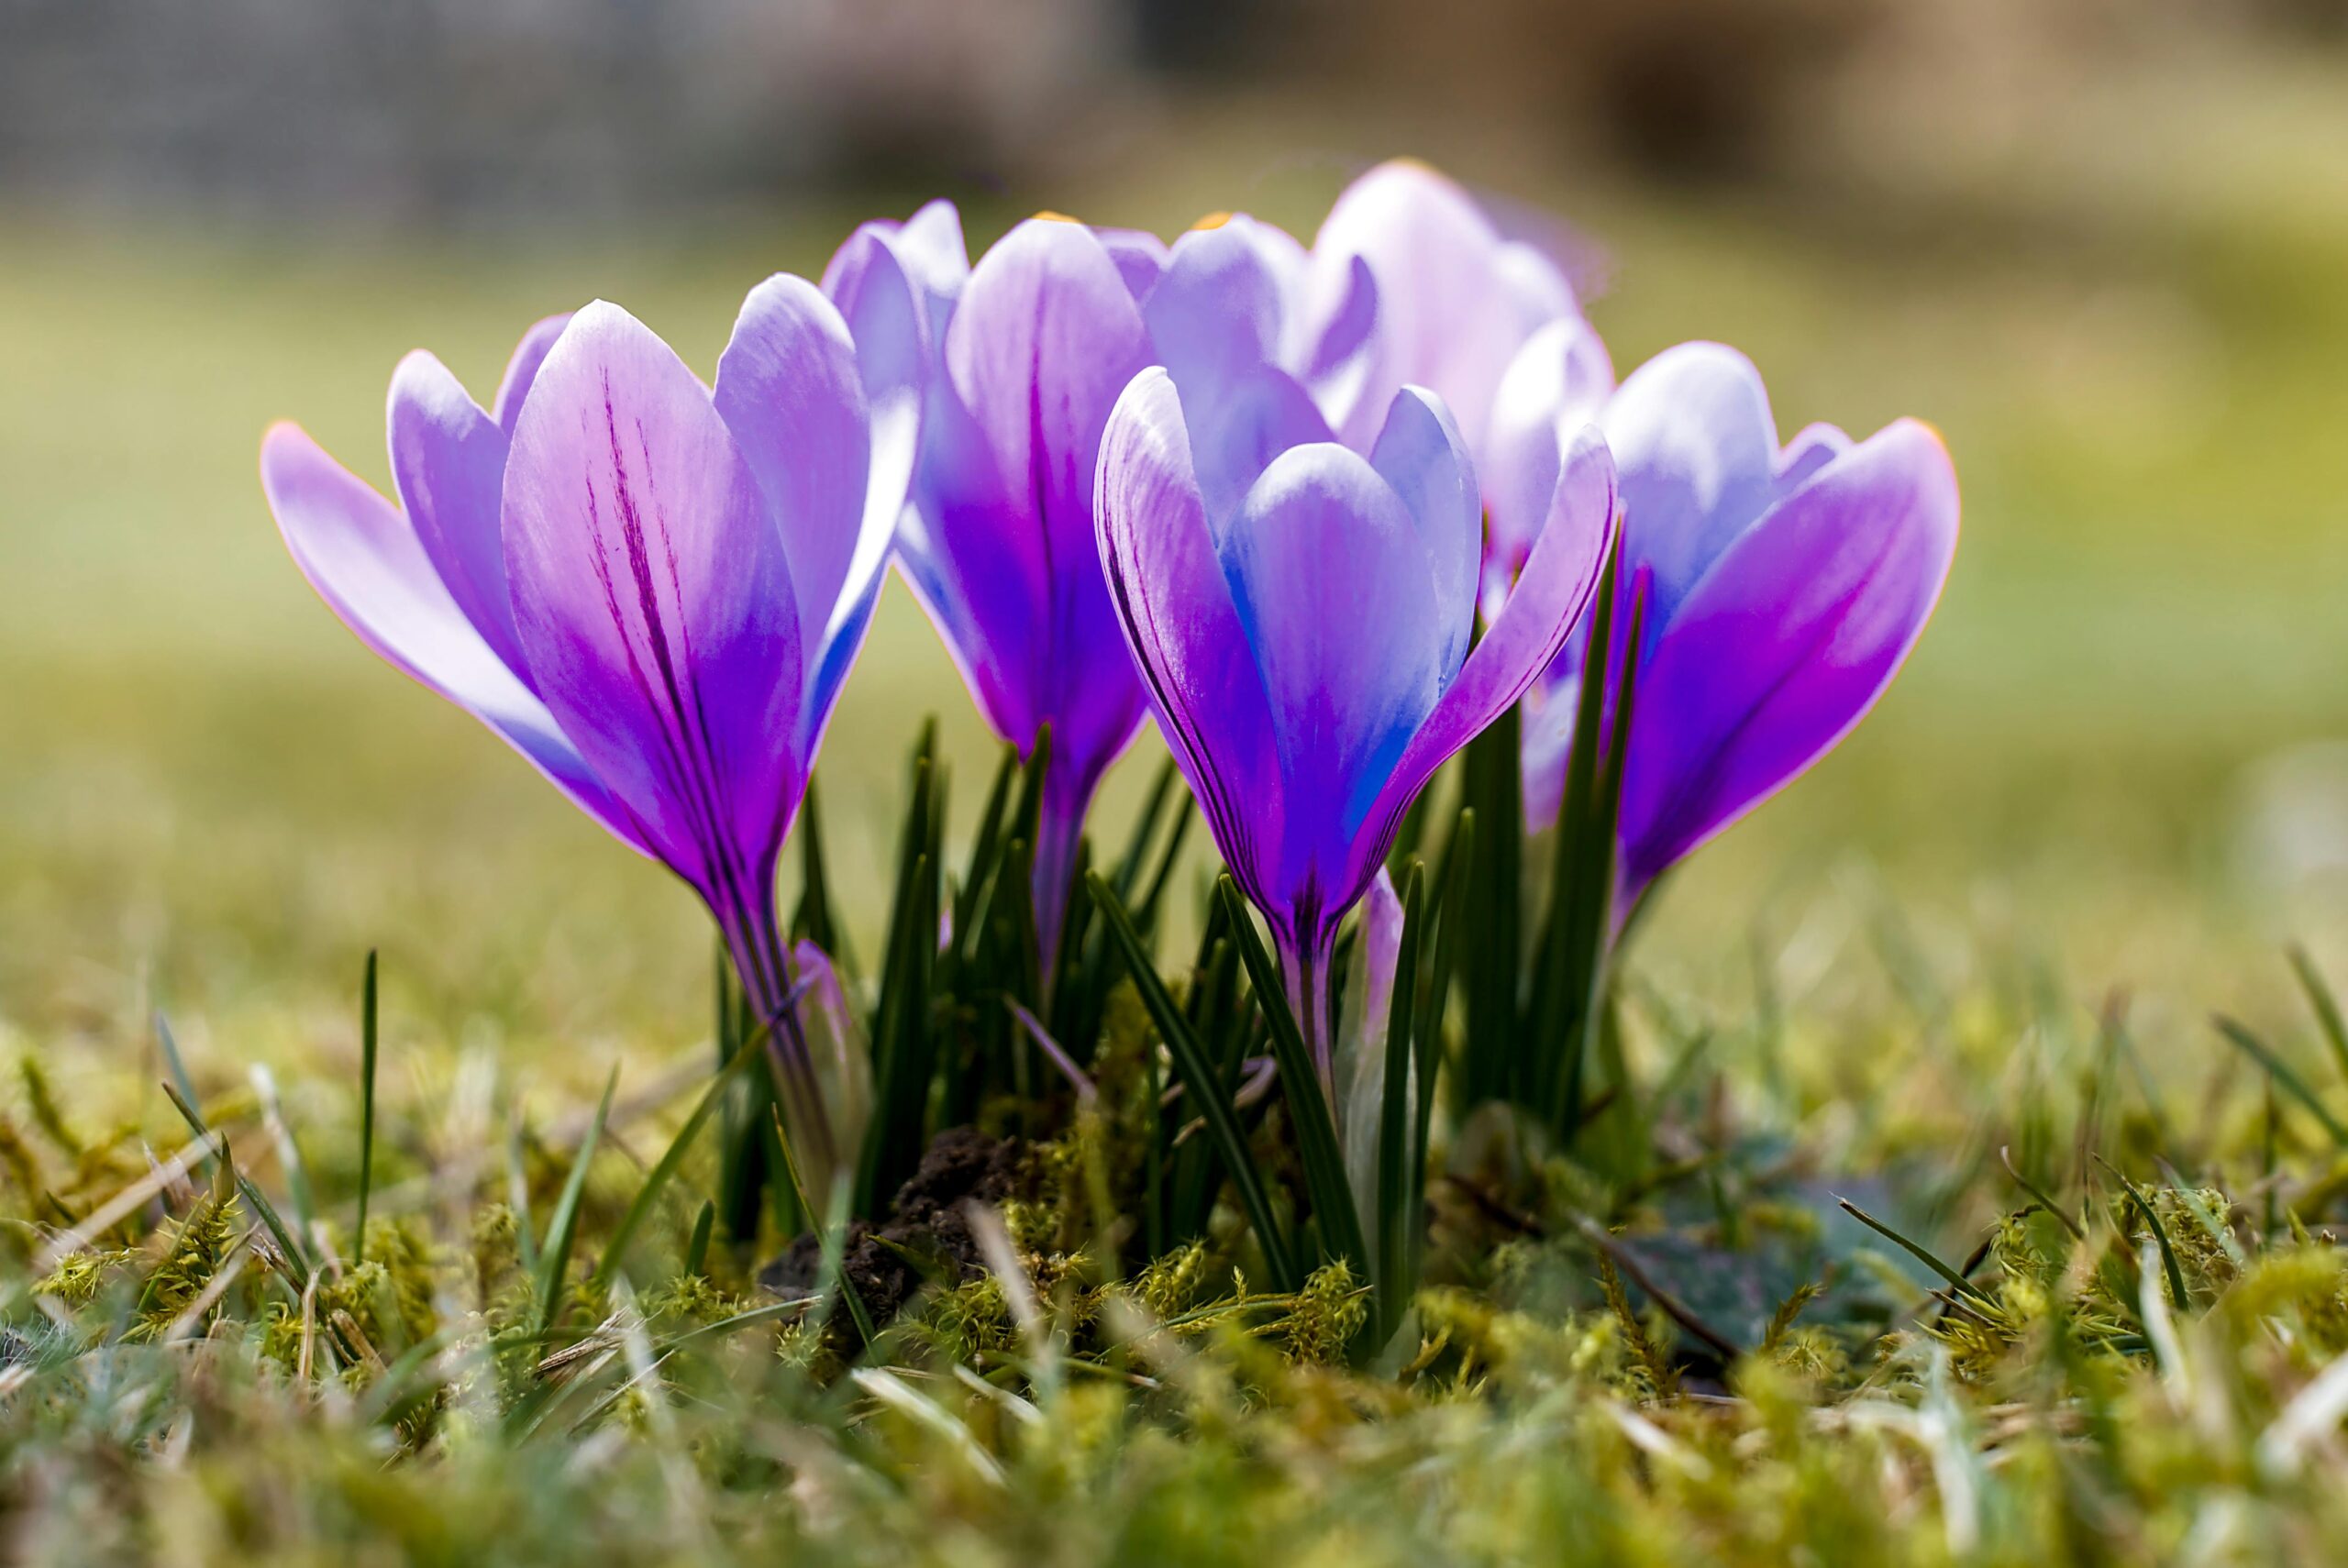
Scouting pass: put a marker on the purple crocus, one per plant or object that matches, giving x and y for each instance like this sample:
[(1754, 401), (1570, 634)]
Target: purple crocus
[(651, 591), (1305, 637), (1784, 585), (1411, 282), (1029, 351)]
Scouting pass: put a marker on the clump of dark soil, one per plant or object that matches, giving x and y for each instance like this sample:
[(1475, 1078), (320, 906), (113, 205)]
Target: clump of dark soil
[(927, 1235)]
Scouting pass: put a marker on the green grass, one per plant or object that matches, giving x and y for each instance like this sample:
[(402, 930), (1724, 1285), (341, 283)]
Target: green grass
[(213, 802)]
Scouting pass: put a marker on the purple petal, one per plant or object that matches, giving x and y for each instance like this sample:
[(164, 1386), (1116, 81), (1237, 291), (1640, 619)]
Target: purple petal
[(1342, 352), (1526, 637), (1333, 583), (1237, 429), (1558, 382), (1220, 309), (927, 247), (1696, 448), (1456, 300), (1044, 339), (364, 560), (1176, 609), (790, 390), (1420, 454), (1786, 643), (653, 596), (523, 368), (448, 466), (1806, 454), (1140, 256)]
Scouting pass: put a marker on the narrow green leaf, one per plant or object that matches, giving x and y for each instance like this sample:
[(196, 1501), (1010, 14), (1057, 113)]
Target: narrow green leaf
[(296, 1256), (697, 1249), (2280, 1071), (666, 1166), (1203, 1086), (2176, 1292), (367, 1040), (1956, 1281), (563, 1229), (1317, 1132), (2326, 1006), (1398, 1214)]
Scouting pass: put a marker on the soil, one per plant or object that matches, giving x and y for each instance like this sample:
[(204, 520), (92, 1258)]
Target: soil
[(926, 1222)]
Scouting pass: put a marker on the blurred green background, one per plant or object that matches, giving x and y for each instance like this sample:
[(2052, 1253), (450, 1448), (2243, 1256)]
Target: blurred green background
[(2104, 249)]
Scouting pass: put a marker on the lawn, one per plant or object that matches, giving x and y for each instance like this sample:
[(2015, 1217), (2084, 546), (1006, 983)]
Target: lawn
[(2103, 775)]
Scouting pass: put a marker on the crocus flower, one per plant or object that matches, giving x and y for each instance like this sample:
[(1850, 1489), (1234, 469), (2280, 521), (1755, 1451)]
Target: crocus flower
[(651, 591), (1030, 349), (1410, 282), (1783, 585), (1305, 640)]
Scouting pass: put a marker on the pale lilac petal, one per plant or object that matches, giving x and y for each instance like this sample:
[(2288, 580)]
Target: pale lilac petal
[(1420, 454), (1540, 616), (1697, 450), (448, 466), (523, 368), (926, 247), (1558, 382), (1342, 352), (1176, 609), (363, 559), (1806, 454), (1220, 311), (654, 599), (791, 388), (1786, 643), (1140, 255), (1332, 582), (1238, 428), (1455, 300)]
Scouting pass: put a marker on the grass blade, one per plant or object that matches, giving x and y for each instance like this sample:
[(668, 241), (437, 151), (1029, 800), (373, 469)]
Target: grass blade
[(367, 1041), (1397, 1212), (563, 1229), (1204, 1086), (1316, 1133), (2280, 1071), (1957, 1282), (2326, 1006), (666, 1166)]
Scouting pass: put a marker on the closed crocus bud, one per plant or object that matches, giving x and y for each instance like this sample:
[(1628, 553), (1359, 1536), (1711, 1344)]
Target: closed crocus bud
[(1783, 584), (1304, 634)]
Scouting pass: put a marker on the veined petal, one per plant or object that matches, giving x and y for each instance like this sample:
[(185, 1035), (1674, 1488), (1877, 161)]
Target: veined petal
[(1786, 643), (1558, 382), (1044, 339), (1696, 448), (1420, 454), (1333, 583), (523, 368), (790, 390), (1178, 619), (364, 560), (448, 466), (655, 601), (1525, 638)]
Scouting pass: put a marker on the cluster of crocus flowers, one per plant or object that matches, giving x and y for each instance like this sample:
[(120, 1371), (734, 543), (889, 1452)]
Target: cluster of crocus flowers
[(1326, 511)]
